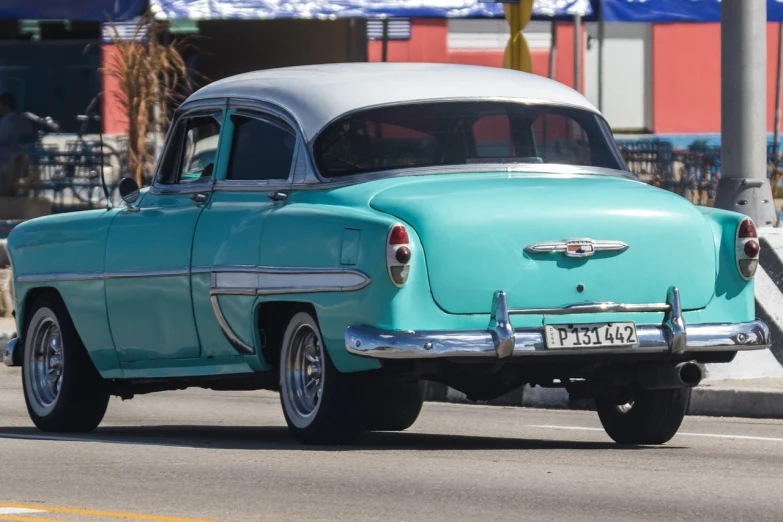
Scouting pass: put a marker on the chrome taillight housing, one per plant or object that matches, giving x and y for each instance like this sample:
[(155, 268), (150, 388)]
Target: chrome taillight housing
[(398, 254), (746, 249)]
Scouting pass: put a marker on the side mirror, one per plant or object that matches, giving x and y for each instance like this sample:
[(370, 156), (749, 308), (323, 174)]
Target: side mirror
[(129, 192)]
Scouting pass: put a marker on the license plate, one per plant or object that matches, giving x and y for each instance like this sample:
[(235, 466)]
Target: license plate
[(590, 335)]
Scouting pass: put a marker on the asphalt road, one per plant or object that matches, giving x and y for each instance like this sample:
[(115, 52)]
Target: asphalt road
[(198, 454)]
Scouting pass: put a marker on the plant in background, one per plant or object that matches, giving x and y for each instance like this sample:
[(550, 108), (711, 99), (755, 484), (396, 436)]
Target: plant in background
[(152, 77)]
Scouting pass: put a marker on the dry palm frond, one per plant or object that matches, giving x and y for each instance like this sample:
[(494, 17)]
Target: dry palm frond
[(150, 74)]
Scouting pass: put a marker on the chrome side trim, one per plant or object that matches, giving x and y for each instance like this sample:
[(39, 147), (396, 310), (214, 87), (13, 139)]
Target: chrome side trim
[(267, 280), (501, 340), (200, 270), (235, 341), (94, 276), (529, 342), (130, 274), (8, 353), (59, 277)]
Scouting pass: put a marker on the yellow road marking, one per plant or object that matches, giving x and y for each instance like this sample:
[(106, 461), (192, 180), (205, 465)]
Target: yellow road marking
[(25, 519), (96, 513)]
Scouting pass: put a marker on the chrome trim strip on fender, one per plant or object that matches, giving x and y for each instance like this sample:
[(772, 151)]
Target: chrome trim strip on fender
[(267, 280), (93, 276), (501, 340), (232, 338), (59, 277)]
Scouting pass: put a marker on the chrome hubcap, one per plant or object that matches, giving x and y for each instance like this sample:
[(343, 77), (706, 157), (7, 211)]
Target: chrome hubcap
[(45, 364), (303, 371), (625, 408)]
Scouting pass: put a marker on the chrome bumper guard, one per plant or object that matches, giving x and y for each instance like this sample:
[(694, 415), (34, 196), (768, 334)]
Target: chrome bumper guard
[(8, 353), (502, 340)]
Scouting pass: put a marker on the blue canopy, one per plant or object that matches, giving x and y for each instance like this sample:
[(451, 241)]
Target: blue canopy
[(675, 10), (327, 9), (96, 10)]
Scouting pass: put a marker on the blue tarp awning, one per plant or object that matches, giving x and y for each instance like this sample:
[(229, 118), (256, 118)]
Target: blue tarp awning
[(326, 9), (675, 10), (96, 10)]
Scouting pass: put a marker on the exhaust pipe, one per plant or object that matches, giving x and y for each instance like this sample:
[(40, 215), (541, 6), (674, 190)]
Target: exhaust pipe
[(689, 373), (667, 377)]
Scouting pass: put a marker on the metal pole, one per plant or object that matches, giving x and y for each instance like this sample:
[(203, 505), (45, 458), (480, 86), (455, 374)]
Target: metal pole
[(385, 40), (552, 51), (601, 35), (577, 51), (776, 129), (744, 186)]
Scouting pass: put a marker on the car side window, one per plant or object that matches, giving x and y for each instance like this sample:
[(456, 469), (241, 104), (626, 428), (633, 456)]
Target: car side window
[(260, 150), (189, 156), (199, 149)]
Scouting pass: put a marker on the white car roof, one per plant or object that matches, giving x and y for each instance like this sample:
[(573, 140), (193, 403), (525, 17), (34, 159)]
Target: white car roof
[(317, 94)]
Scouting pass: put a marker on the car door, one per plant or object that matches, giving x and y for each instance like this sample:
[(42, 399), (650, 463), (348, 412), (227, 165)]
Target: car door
[(258, 156), (149, 247)]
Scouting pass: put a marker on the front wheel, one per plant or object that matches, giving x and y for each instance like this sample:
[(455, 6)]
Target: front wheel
[(318, 401), (62, 389), (652, 417)]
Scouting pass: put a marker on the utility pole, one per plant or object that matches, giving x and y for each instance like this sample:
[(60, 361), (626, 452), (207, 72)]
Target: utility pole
[(744, 186)]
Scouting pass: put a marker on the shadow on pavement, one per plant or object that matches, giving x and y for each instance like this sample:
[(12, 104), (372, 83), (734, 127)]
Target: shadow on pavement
[(278, 438)]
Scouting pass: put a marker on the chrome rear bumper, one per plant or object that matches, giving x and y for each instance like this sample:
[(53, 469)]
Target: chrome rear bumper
[(501, 340)]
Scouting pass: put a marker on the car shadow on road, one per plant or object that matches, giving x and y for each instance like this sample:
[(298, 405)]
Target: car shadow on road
[(279, 439)]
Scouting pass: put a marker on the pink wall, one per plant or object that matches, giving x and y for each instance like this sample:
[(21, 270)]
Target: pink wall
[(429, 43), (114, 120), (686, 77)]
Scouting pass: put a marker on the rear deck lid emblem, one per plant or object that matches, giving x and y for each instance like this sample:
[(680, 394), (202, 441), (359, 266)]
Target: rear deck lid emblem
[(577, 247)]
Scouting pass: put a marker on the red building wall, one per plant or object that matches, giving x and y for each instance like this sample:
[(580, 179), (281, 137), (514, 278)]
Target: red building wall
[(686, 77), (429, 43)]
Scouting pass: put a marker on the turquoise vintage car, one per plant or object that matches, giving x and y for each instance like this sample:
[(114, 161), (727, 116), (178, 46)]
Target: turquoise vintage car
[(357, 229)]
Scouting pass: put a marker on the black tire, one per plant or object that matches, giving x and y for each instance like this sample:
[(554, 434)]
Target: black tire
[(392, 406), (78, 403), (653, 417), (328, 417)]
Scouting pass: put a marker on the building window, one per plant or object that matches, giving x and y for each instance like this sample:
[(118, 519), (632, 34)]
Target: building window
[(399, 29), (492, 34)]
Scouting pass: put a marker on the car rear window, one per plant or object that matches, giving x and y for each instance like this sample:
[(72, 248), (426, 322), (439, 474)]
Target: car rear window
[(458, 133)]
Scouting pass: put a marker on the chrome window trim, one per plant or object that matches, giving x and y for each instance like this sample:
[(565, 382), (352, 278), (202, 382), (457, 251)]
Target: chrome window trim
[(188, 110), (275, 119)]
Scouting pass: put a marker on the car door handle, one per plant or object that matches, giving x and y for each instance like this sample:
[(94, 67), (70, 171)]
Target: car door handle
[(199, 198), (277, 196)]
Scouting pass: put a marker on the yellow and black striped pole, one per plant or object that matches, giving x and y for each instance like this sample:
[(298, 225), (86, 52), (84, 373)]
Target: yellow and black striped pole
[(517, 55)]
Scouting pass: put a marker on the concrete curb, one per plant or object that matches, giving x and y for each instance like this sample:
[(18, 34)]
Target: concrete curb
[(706, 400)]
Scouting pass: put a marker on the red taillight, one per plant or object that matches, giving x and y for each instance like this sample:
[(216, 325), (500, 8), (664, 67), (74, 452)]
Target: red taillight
[(752, 248), (398, 255), (746, 249), (747, 229), (398, 235), (403, 254)]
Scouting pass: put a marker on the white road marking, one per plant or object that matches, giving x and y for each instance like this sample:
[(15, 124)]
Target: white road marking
[(708, 435), (19, 511)]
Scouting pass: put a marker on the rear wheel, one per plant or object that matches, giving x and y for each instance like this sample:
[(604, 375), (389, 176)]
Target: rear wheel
[(652, 417), (392, 406), (62, 389), (318, 401)]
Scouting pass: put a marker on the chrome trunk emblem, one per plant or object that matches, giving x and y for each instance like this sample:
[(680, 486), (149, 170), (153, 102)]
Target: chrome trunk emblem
[(577, 247)]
